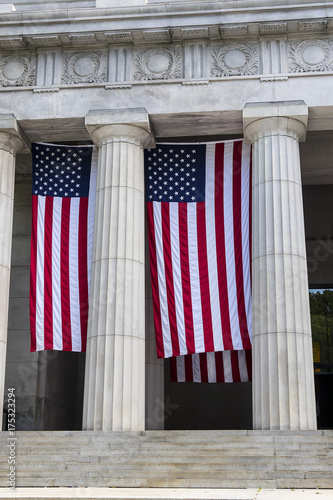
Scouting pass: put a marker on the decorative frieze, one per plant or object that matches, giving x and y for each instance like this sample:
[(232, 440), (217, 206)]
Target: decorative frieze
[(273, 55), (196, 60), (84, 67), (49, 67), (120, 64), (158, 64), (17, 70), (311, 55), (235, 60)]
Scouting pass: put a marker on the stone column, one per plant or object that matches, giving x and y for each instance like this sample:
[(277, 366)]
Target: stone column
[(10, 144), (114, 393), (283, 380)]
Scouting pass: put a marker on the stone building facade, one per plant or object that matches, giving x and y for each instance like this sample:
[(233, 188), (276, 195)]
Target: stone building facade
[(123, 75)]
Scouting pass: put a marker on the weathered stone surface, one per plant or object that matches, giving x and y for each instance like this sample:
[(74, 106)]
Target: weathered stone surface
[(281, 316)]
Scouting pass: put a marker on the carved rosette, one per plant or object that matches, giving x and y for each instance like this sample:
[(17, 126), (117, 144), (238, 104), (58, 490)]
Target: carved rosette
[(17, 71), (84, 67), (235, 60), (310, 55), (158, 64)]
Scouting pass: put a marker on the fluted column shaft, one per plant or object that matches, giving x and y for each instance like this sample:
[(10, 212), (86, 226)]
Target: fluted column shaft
[(115, 365), (283, 381), (10, 144)]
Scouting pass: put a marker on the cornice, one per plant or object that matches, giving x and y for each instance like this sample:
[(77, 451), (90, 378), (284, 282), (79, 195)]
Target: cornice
[(95, 34), (166, 19)]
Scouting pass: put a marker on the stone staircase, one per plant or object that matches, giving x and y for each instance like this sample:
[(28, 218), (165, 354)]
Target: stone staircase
[(171, 459)]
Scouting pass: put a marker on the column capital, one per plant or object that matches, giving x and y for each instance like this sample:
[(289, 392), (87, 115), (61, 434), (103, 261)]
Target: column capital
[(262, 119), (123, 124), (10, 134)]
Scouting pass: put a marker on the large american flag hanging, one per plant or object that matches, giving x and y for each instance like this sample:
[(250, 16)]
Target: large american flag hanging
[(63, 200), (198, 205)]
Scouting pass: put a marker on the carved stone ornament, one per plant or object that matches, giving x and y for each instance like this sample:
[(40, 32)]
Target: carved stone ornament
[(17, 71), (85, 67), (158, 64), (235, 60), (310, 55)]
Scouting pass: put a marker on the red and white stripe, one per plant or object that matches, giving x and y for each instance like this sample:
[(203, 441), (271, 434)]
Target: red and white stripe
[(200, 260), (61, 249), (226, 366)]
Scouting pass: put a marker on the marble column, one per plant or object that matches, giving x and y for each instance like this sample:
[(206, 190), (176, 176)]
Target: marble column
[(114, 393), (283, 380), (10, 144)]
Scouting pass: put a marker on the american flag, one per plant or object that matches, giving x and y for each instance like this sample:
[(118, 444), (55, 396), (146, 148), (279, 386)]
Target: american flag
[(198, 205), (63, 199), (225, 366)]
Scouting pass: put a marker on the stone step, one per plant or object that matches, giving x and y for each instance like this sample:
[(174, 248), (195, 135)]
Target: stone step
[(187, 436), (148, 459), (170, 468), (163, 459), (161, 494), (303, 483), (170, 445), (129, 475), (129, 494)]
